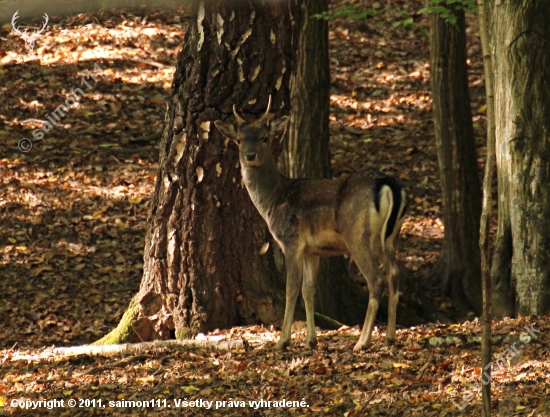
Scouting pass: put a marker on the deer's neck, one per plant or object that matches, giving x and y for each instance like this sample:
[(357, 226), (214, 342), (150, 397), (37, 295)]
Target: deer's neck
[(265, 185)]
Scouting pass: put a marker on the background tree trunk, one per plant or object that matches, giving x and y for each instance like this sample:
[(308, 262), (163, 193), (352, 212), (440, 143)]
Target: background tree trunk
[(202, 265), (459, 262), (521, 41), (306, 146), (306, 154)]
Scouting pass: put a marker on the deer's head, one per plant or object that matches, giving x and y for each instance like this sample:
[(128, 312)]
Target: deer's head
[(254, 139)]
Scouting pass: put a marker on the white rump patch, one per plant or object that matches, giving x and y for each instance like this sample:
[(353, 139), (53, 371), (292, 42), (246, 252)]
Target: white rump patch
[(386, 204)]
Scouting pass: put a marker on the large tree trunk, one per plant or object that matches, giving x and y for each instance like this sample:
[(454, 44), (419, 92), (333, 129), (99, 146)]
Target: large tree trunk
[(459, 264), (202, 265), (306, 154), (521, 39)]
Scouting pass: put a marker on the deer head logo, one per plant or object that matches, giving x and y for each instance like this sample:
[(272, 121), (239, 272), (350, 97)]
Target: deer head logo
[(29, 38)]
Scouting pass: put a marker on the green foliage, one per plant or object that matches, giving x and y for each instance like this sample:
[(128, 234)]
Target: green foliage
[(406, 19), (348, 12), (358, 13), (444, 8)]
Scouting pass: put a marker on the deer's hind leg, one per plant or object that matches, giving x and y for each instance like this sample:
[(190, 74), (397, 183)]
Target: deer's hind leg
[(365, 260), (391, 269)]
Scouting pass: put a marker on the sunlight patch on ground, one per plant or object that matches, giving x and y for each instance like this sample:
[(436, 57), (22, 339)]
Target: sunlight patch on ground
[(97, 42)]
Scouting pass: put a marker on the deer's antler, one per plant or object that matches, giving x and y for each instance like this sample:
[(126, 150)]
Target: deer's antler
[(265, 117), (13, 24), (44, 25), (240, 120)]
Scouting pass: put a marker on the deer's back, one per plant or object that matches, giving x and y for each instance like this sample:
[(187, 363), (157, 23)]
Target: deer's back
[(322, 217)]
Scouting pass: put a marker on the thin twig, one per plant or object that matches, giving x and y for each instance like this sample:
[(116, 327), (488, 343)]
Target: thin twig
[(91, 152), (485, 224), (115, 158)]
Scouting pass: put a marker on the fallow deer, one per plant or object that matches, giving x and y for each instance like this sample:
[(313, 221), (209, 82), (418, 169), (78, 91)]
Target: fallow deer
[(359, 215)]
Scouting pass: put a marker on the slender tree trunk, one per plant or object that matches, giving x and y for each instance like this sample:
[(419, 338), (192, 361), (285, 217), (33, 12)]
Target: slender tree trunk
[(487, 208), (459, 263), (306, 147), (203, 269), (521, 38), (306, 154)]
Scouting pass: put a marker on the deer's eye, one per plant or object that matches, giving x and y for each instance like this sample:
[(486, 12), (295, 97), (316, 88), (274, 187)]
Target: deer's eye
[(238, 141), (266, 140)]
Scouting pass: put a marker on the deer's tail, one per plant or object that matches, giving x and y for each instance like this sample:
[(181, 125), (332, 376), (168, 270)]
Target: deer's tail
[(392, 202)]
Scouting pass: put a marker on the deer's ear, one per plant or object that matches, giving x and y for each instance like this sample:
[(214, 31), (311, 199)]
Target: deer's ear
[(227, 129), (278, 126)]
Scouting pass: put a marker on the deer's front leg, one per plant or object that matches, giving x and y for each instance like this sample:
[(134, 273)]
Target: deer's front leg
[(293, 282), (311, 268)]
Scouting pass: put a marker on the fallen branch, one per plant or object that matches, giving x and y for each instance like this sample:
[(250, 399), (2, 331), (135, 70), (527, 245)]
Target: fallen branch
[(326, 322), (126, 348)]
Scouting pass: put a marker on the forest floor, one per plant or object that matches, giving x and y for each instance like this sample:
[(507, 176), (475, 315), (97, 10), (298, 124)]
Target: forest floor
[(73, 217)]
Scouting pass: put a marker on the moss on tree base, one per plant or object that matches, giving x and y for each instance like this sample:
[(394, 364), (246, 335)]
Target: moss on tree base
[(123, 333)]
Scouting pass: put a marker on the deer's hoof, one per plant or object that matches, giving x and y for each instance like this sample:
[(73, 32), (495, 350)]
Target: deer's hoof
[(361, 346), (282, 345), (311, 344)]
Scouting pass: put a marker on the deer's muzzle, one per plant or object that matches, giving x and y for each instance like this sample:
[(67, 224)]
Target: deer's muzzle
[(250, 156)]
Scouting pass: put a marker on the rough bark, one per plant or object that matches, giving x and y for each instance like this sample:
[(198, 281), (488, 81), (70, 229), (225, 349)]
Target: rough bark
[(521, 39), (459, 263), (306, 154), (202, 266)]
